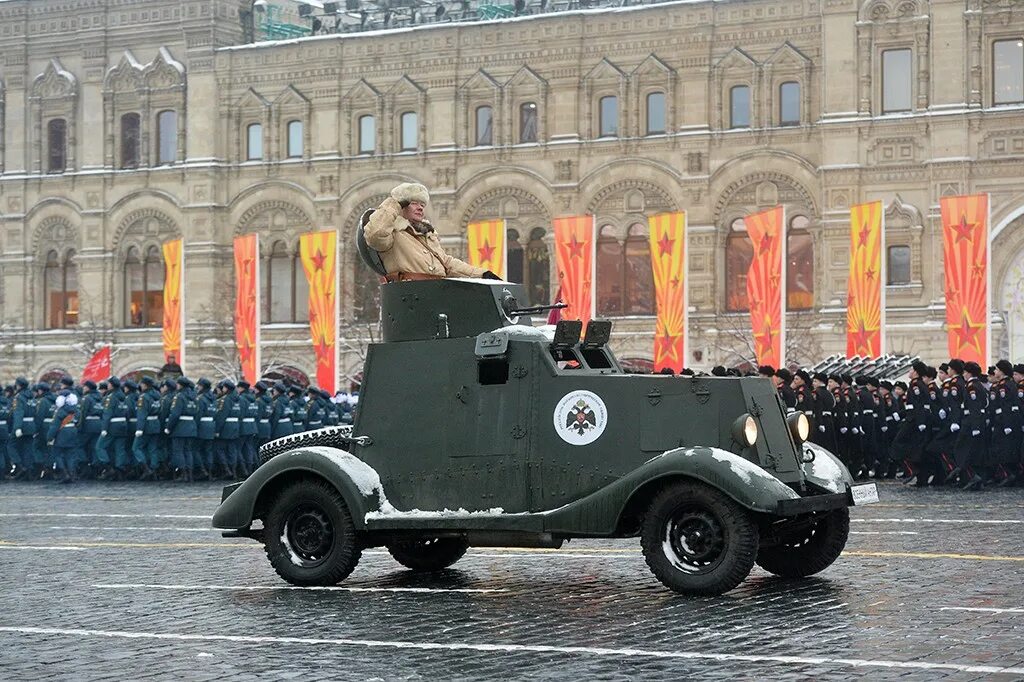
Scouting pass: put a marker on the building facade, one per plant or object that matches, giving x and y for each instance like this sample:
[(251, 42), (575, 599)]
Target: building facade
[(124, 124)]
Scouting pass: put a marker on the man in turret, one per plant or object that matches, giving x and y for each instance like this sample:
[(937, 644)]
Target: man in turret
[(408, 244)]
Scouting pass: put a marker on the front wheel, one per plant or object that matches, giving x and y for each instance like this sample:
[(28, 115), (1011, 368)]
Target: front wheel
[(696, 540), (309, 537), (810, 551), (428, 554)]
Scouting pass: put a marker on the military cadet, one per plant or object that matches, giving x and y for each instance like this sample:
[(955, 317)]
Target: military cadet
[(206, 428), (23, 417), (863, 430), (847, 421), (131, 398), (330, 414), (912, 437), (146, 446), (6, 459), (281, 414), (181, 427), (247, 430), (264, 407), (111, 446), (298, 406), (168, 389), (824, 431), (871, 418), (782, 380), (1004, 424), (886, 430), (45, 400), (1018, 378), (88, 422), (931, 469), (62, 435), (314, 410), (226, 445), (971, 446), (804, 395)]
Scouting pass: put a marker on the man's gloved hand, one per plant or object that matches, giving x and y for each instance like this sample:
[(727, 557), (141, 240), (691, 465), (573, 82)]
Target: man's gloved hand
[(17, 433), (843, 430), (1007, 430), (490, 275), (167, 431), (138, 433), (855, 430), (975, 432), (921, 427), (822, 428), (954, 427), (896, 416), (885, 429), (103, 433), (50, 443), (942, 414)]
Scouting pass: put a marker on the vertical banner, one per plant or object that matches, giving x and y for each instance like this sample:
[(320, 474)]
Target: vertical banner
[(319, 251), (766, 284), (488, 246), (574, 258), (98, 367), (865, 294), (247, 305), (668, 263), (965, 223), (174, 303)]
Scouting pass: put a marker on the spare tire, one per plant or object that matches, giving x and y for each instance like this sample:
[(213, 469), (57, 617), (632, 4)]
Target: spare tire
[(331, 436)]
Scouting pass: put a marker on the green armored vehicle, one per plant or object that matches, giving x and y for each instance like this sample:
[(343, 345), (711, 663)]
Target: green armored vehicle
[(476, 429)]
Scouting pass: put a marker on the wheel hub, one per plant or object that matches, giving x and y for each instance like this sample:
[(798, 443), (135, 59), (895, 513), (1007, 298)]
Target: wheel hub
[(696, 538), (310, 533)]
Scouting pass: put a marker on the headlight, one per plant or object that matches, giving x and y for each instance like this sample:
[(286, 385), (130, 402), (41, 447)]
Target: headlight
[(799, 426), (744, 430)]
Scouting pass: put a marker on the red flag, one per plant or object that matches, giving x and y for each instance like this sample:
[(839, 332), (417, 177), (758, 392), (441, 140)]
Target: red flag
[(965, 223), (318, 251), (247, 308), (766, 282), (555, 314), (574, 255), (865, 298), (668, 263), (98, 367)]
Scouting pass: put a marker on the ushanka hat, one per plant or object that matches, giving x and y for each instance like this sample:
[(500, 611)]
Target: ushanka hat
[(410, 191)]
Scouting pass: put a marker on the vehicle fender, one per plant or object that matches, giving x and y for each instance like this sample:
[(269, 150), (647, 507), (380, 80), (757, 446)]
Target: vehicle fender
[(826, 471), (745, 482), (356, 481)]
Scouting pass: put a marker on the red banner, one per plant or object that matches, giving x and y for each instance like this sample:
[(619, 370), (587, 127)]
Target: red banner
[(174, 305), (965, 223), (247, 305), (766, 284), (668, 262), (98, 367), (574, 258), (318, 251), (865, 295), (487, 246)]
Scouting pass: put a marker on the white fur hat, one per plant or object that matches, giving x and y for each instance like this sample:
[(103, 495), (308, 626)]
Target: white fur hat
[(410, 191)]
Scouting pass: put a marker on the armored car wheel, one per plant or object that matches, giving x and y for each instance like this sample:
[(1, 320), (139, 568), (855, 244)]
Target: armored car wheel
[(810, 551), (428, 554), (696, 540), (310, 538)]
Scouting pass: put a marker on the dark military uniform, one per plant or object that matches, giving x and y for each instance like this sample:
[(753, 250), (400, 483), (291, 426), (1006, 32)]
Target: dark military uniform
[(168, 390), (971, 446), (23, 426), (206, 429), (45, 401), (247, 430), (90, 423), (6, 460), (62, 433), (181, 427), (226, 446), (264, 406), (281, 414), (823, 432), (146, 447), (110, 446), (912, 437)]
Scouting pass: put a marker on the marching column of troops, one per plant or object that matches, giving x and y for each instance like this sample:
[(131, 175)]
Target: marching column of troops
[(172, 429), (954, 424)]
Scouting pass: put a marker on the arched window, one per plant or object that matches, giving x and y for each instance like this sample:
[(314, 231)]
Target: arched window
[(294, 139), (739, 107), (144, 287), (60, 291), (279, 283), (897, 265), (738, 255), (367, 134), (130, 140), (167, 136), (538, 268), (484, 133), (1008, 71), (789, 104), (625, 282), (254, 142), (799, 265), (514, 257), (410, 131), (608, 116), (655, 113), (56, 145), (300, 304), (527, 122)]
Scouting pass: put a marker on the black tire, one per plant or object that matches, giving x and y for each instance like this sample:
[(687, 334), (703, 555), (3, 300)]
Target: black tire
[(812, 551), (696, 540), (309, 535), (429, 554), (331, 436)]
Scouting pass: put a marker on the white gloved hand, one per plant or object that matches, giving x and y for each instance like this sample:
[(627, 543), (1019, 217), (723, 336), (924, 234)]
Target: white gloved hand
[(1007, 430), (975, 432), (896, 416), (885, 429), (167, 431), (921, 427), (843, 430), (954, 427), (138, 433), (821, 428), (942, 414), (17, 433), (103, 433)]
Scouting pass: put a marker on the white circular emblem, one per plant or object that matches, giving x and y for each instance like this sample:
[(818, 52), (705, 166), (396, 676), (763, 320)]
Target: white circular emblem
[(580, 417)]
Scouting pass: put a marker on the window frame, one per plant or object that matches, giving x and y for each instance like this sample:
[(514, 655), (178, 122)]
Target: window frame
[(732, 107), (402, 146), (601, 117), (249, 140), (803, 229), (61, 264), (889, 282), (1020, 43), (51, 168), (783, 121), (161, 130), (124, 147), (289, 152), (524, 106), (360, 138), (647, 113), (489, 129), (910, 80)]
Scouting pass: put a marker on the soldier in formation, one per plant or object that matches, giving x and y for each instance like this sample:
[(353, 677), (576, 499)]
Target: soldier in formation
[(176, 429)]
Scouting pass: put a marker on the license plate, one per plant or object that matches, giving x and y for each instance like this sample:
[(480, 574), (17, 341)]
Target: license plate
[(864, 494)]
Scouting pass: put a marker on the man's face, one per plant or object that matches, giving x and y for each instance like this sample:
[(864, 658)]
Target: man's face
[(798, 382), (414, 212), (943, 375), (998, 374)]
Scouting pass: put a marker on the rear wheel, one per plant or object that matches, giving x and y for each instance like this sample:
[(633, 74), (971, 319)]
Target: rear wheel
[(812, 550), (428, 554), (696, 540), (309, 537)]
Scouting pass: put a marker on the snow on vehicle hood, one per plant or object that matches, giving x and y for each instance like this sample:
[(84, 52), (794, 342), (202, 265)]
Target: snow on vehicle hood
[(526, 331)]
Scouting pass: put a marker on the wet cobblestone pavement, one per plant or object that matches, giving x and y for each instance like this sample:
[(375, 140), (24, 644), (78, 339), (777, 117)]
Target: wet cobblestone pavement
[(127, 581)]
